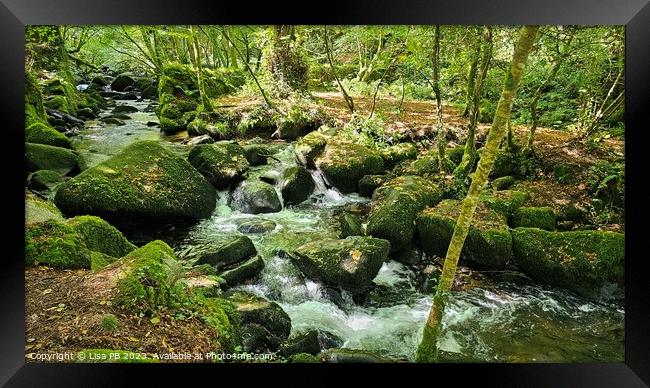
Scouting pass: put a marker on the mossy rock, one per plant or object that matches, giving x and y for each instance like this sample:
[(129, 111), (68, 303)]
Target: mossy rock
[(395, 206), (297, 122), (124, 109), (398, 153), (504, 202), (351, 263), (253, 309), (177, 79), (344, 164), (305, 342), (145, 181), (504, 163), (243, 271), (256, 154), (255, 225), (222, 163), (503, 183), (303, 358), (224, 252), (100, 236), (254, 197), (534, 217), (59, 103), (44, 180), (109, 356), (150, 92), (350, 225), (147, 278), (588, 263), (175, 113), (297, 185), (47, 157), (100, 260), (425, 165), (41, 133), (55, 244), (488, 242), (38, 210), (369, 183), (455, 154), (309, 147), (208, 285), (351, 356)]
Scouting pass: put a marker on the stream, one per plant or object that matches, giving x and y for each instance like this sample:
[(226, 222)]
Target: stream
[(499, 319)]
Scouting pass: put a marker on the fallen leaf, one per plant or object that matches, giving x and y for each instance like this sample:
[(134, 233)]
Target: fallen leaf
[(155, 320)]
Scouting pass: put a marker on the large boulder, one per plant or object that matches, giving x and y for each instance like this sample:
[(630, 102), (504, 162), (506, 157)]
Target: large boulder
[(309, 147), (396, 204), (47, 157), (41, 133), (38, 210), (344, 163), (297, 185), (351, 263), (590, 263), (243, 271), (398, 153), (44, 180), (121, 82), (100, 236), (222, 163), (488, 242), (55, 244), (221, 253), (254, 197), (534, 217), (144, 181), (504, 202)]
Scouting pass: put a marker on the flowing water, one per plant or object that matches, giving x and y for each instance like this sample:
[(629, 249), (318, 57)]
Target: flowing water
[(507, 319)]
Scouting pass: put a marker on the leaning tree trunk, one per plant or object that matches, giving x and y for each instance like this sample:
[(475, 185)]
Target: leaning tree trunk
[(471, 155), (443, 162), (471, 78), (428, 349), (346, 96), (205, 100)]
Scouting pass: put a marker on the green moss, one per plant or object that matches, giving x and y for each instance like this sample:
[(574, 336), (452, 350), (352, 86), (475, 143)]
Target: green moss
[(344, 163), (369, 183), (145, 180), (504, 202), (100, 260), (397, 153), (298, 121), (297, 185), (149, 280), (503, 183), (304, 358), (253, 309), (243, 271), (177, 79), (534, 217), (455, 154), (34, 109), (101, 236), (55, 244), (44, 180), (221, 315), (585, 262), (222, 163), (350, 225), (309, 147), (109, 323), (47, 157), (254, 197), (41, 133), (395, 206), (488, 242), (425, 165), (38, 210), (113, 356), (59, 103)]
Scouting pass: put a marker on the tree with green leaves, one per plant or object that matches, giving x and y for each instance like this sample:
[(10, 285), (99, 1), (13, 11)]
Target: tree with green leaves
[(428, 348)]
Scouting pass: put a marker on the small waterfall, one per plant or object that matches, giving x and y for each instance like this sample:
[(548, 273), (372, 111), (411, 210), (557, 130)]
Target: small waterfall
[(322, 187)]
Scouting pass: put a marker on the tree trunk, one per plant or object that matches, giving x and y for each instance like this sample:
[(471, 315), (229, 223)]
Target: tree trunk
[(441, 144), (428, 349), (207, 105), (346, 96), (471, 78)]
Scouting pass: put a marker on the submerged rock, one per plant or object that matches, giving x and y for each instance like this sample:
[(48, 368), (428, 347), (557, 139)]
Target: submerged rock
[(255, 197), (488, 242), (297, 185), (351, 263), (47, 157), (144, 181), (589, 263), (345, 163), (395, 206), (124, 109), (222, 163)]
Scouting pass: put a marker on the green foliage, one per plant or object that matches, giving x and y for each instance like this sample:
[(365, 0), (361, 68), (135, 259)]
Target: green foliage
[(109, 323), (606, 180), (55, 244), (369, 131)]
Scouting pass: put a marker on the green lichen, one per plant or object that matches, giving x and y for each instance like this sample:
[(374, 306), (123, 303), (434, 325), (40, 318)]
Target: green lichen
[(101, 236), (55, 244)]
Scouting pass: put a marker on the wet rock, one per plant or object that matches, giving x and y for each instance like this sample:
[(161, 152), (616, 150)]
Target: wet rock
[(488, 242), (150, 92), (305, 342), (369, 183), (243, 271), (344, 163), (297, 185), (112, 120), (119, 116), (100, 80), (47, 157), (309, 147), (255, 197), (203, 139), (225, 252), (409, 255), (255, 225), (124, 109), (144, 181), (253, 309), (121, 82), (589, 263), (256, 154), (126, 96), (351, 263), (222, 163), (350, 225), (153, 124)]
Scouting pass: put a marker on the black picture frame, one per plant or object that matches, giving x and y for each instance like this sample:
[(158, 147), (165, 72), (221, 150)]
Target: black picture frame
[(634, 14)]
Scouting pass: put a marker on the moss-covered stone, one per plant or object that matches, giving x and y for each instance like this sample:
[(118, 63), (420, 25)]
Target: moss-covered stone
[(255, 225), (504, 163), (503, 183), (124, 109), (488, 242), (309, 147), (398, 153), (504, 202), (305, 342), (38, 210), (47, 157), (221, 253), (41, 133), (101, 236), (298, 121), (109, 356), (351, 263), (222, 163), (253, 309), (243, 271), (455, 154), (144, 181), (396, 204), (534, 217), (55, 244), (254, 197), (44, 180), (344, 163), (297, 185), (350, 225), (585, 262), (100, 260), (425, 165), (303, 358), (256, 154), (369, 183)]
